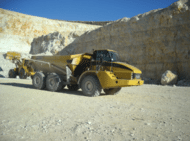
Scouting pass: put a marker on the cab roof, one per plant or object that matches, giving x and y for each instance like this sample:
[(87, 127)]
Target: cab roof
[(105, 49)]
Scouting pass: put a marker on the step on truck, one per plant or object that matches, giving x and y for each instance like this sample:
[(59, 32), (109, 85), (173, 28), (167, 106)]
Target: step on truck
[(91, 72)]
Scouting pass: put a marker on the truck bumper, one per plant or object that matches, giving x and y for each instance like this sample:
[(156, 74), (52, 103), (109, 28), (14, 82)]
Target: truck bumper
[(108, 80), (124, 83)]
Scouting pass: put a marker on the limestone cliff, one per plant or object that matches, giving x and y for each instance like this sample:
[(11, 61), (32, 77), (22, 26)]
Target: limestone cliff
[(18, 30), (49, 44), (155, 41)]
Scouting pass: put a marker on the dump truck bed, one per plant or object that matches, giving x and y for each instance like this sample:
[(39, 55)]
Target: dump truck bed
[(49, 64)]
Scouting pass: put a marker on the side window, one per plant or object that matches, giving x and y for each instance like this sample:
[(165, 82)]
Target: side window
[(100, 54), (103, 53), (107, 56)]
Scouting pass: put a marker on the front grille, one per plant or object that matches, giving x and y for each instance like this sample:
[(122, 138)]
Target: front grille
[(122, 75)]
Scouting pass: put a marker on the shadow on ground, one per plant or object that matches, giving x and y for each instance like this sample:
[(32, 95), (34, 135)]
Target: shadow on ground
[(1, 76), (19, 85), (65, 91)]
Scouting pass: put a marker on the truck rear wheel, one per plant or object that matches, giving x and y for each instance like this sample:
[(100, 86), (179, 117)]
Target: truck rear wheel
[(54, 82), (12, 73), (22, 74), (73, 87), (112, 91), (38, 80), (91, 86)]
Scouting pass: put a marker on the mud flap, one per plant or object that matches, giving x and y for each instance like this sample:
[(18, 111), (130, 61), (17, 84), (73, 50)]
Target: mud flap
[(68, 73)]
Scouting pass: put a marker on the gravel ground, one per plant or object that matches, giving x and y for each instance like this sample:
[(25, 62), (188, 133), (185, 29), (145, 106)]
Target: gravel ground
[(148, 112)]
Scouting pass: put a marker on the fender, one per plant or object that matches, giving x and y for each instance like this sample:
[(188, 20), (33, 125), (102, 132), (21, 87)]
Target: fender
[(91, 72)]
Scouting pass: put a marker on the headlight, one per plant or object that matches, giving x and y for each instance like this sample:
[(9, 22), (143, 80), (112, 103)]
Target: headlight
[(136, 76)]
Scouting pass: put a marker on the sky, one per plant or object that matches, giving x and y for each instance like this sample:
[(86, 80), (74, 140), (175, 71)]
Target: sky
[(84, 10)]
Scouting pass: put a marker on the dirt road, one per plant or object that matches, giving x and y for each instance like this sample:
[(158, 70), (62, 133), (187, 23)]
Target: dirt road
[(148, 112)]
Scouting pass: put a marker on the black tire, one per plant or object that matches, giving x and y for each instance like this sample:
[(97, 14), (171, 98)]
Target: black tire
[(12, 73), (112, 91), (73, 87), (91, 86), (39, 80), (54, 82), (22, 74)]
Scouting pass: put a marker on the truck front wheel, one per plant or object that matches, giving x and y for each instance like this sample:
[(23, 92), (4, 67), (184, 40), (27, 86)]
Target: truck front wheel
[(54, 82), (22, 74), (112, 91), (91, 86), (38, 80)]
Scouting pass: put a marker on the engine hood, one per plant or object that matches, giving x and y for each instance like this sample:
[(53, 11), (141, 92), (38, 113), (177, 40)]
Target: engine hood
[(127, 66)]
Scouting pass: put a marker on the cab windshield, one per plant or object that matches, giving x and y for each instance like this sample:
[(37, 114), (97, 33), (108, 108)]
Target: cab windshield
[(114, 56), (109, 56)]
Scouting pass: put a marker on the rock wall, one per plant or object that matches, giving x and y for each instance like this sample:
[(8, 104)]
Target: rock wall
[(52, 43), (155, 41), (49, 44), (18, 30)]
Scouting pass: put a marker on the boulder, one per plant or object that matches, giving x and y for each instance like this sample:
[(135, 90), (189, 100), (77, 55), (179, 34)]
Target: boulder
[(169, 78)]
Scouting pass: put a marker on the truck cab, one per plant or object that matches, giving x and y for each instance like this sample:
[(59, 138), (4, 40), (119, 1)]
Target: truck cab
[(110, 72)]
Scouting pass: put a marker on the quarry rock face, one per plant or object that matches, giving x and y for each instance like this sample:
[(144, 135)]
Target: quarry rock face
[(154, 42), (51, 43), (168, 78), (18, 30), (183, 83)]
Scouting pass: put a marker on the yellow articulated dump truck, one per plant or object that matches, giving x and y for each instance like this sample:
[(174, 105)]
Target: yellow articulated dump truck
[(23, 70), (91, 72)]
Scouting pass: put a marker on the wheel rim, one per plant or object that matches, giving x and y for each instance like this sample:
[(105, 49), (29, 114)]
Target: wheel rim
[(37, 80), (21, 74), (51, 82), (89, 86)]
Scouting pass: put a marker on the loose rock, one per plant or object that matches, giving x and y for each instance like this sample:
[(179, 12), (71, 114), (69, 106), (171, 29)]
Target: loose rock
[(168, 78)]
